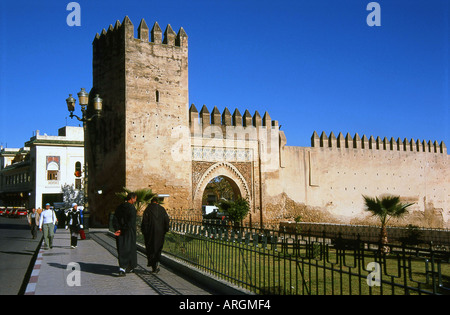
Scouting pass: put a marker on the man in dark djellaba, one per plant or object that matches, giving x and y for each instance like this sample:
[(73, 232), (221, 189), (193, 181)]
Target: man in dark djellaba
[(155, 225), (124, 224)]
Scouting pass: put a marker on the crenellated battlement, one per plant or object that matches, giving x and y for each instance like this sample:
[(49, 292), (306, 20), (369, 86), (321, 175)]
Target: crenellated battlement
[(199, 121), (153, 36), (357, 142)]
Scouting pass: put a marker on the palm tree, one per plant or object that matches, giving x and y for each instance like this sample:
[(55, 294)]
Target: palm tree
[(144, 197), (386, 208)]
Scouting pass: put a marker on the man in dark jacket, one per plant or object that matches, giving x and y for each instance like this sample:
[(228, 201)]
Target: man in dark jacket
[(155, 224), (124, 224), (73, 222)]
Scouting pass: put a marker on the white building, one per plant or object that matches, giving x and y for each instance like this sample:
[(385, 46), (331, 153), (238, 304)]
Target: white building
[(45, 164)]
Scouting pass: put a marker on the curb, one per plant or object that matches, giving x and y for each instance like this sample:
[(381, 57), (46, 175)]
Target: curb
[(34, 276), (223, 287)]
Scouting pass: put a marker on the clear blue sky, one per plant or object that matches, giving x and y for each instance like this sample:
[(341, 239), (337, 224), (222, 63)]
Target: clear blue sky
[(312, 64)]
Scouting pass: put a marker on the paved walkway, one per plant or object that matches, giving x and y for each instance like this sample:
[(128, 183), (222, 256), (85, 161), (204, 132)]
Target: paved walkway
[(56, 271)]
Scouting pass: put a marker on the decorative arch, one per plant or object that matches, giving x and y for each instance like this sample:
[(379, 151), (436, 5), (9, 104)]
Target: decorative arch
[(52, 166), (222, 169)]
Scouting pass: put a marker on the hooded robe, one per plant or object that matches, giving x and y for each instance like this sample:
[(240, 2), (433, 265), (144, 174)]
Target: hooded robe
[(125, 220), (155, 224)]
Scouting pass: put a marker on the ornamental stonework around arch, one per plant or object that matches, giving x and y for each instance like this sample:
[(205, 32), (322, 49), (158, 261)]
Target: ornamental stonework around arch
[(203, 172)]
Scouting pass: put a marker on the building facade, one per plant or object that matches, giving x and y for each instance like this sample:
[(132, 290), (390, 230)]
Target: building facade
[(37, 172), (150, 137), (15, 177)]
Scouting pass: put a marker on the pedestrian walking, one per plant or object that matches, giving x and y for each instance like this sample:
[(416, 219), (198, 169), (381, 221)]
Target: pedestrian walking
[(155, 225), (33, 221), (73, 222), (47, 223), (124, 224)]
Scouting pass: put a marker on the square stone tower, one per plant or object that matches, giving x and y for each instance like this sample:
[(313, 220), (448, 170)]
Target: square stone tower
[(136, 143)]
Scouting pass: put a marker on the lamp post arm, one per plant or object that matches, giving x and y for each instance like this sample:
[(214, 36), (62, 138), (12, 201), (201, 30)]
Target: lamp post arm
[(92, 117), (84, 118), (73, 115)]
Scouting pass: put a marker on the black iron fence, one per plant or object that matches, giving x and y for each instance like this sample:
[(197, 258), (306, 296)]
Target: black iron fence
[(411, 235), (296, 262)]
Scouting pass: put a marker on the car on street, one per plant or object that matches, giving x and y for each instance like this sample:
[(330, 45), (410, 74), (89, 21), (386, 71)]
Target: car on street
[(21, 213), (15, 212), (2, 211)]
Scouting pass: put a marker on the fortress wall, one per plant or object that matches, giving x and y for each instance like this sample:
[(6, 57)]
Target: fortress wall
[(333, 179), (237, 131), (148, 137)]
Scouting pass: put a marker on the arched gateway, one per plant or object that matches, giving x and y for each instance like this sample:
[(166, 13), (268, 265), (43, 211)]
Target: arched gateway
[(231, 173)]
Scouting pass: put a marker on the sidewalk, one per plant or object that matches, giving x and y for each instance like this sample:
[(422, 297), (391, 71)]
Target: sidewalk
[(96, 259)]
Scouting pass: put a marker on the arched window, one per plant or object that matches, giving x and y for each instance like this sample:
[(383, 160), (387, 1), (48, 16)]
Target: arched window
[(78, 174), (52, 171), (78, 169)]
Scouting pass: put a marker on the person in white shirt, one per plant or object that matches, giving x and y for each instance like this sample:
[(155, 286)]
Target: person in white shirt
[(47, 223)]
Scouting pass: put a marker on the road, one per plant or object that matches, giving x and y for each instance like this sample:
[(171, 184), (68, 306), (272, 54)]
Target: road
[(17, 250)]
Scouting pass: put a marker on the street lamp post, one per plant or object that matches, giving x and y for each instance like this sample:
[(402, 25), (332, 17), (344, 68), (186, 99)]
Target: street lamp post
[(83, 98), (97, 102)]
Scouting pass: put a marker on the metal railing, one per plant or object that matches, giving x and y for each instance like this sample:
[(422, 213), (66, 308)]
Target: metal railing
[(409, 234), (297, 263)]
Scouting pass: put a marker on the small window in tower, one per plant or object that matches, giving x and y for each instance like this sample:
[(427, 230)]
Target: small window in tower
[(157, 96)]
